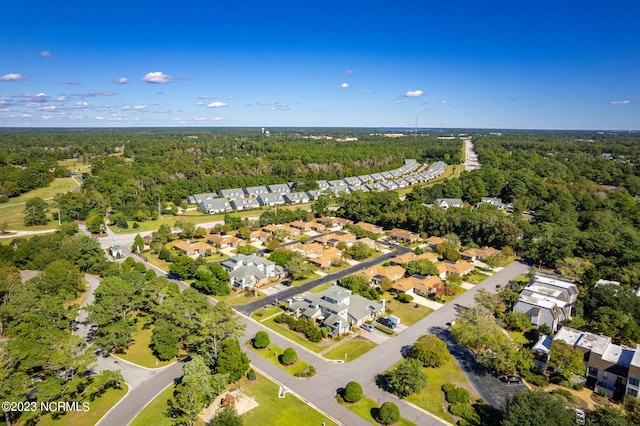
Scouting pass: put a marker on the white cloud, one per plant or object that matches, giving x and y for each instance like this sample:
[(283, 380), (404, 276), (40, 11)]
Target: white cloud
[(414, 93), (61, 98), (46, 54), (349, 72), (368, 92), (12, 77), (81, 104), (217, 104), (121, 80), (133, 108), (156, 77), (345, 86), (625, 102), (48, 108), (94, 93), (70, 82)]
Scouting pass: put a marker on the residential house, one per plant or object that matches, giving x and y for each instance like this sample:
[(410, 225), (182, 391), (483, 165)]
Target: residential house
[(225, 241), (322, 184), (254, 191), (244, 203), (314, 193), (302, 226), (339, 189), (116, 252), (459, 269), (259, 235), (335, 221), (494, 201), (377, 273), (309, 249), (418, 284), (334, 238), (445, 203), (365, 179), (404, 259), (377, 177), (480, 254), (541, 311), (403, 235), (372, 244), (434, 241), (280, 188), (326, 259), (368, 227), (193, 249), (251, 271), (336, 182), (609, 367), (388, 185), (215, 205), (231, 193), (296, 197), (352, 181), (272, 229), (274, 199), (198, 198), (337, 308)]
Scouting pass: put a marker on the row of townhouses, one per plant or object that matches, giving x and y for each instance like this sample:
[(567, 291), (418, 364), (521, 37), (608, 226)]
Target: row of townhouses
[(254, 197)]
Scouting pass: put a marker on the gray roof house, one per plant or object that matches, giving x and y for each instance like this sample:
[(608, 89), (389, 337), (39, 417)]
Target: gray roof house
[(337, 182), (314, 193), (337, 308), (352, 181), (376, 176), (232, 193), (271, 199), (244, 203), (250, 271), (280, 188), (254, 191), (215, 205), (365, 178), (340, 189), (296, 197), (197, 198), (322, 184), (448, 202)]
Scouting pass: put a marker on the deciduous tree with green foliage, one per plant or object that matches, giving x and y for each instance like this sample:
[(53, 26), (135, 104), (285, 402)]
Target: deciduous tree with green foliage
[(231, 360), (406, 378), (35, 212), (430, 351), (536, 408)]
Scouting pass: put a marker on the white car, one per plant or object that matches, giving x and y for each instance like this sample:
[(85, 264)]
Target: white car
[(580, 416)]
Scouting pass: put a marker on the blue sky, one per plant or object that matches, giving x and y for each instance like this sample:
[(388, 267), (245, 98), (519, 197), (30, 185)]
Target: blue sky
[(459, 63)]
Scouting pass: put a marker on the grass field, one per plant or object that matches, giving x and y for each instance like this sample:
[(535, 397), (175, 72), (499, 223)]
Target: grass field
[(272, 354), (432, 398), (366, 407), (153, 414), (139, 352), (271, 410), (350, 350), (408, 312), (315, 347), (97, 409)]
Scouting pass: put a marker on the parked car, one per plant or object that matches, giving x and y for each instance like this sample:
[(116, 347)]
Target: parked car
[(366, 326), (286, 283), (386, 322), (511, 379), (580, 417)]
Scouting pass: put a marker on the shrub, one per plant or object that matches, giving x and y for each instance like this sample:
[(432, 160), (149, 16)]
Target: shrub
[(261, 340), (251, 374), (534, 378), (389, 413), (565, 393), (289, 356), (603, 393), (384, 329), (353, 392), (465, 411), (577, 386), (456, 395), (405, 298)]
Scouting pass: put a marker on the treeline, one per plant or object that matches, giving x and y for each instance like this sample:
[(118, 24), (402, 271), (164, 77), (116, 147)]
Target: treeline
[(573, 223), (40, 359)]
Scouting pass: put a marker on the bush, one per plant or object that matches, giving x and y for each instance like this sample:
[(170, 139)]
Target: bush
[(603, 393), (577, 386), (565, 393), (534, 378), (353, 392), (389, 413), (251, 374), (289, 356), (309, 372), (465, 411), (456, 395), (405, 298), (310, 330), (261, 340)]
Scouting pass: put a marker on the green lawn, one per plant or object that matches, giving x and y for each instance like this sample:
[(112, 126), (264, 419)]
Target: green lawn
[(365, 408), (320, 288), (432, 398), (97, 409), (408, 312), (272, 354), (352, 348), (284, 330), (140, 352), (153, 414), (264, 313)]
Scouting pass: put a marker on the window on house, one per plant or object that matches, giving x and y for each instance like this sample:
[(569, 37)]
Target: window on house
[(634, 381), (605, 375), (593, 371), (632, 392)]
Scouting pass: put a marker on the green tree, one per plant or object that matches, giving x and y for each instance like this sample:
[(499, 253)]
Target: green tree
[(406, 378), (183, 267), (566, 359), (138, 244), (536, 408), (261, 340), (193, 392), (353, 392), (164, 341), (606, 416), (430, 351), (35, 212), (215, 325), (360, 251), (289, 356), (421, 267), (231, 360), (388, 414), (298, 267), (228, 416)]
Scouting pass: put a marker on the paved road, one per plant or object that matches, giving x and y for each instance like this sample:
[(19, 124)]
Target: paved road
[(471, 158), (292, 291)]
